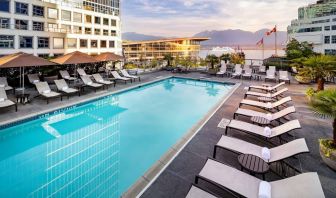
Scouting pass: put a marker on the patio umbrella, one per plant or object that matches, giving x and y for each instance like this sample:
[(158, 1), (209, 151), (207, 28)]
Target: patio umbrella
[(22, 60), (108, 56)]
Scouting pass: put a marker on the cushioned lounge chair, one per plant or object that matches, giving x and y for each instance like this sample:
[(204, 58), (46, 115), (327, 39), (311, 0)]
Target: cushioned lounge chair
[(88, 82), (65, 75), (63, 87), (99, 79), (197, 192), (268, 106), (270, 75), (45, 91), (81, 72), (33, 78), (305, 185), (267, 88), (262, 131), (262, 70), (4, 101), (238, 72), (268, 95), (283, 76), (117, 76), (248, 73), (222, 70), (4, 84), (276, 154), (127, 75)]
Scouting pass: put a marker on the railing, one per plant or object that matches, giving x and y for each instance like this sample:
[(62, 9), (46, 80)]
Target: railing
[(280, 63)]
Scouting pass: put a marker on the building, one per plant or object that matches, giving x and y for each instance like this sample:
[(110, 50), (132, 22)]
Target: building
[(316, 24), (148, 50), (54, 27)]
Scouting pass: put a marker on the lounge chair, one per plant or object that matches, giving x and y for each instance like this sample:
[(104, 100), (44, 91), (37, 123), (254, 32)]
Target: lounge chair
[(262, 70), (4, 101), (127, 75), (33, 78), (271, 155), (81, 72), (267, 88), (248, 73), (197, 192), (268, 95), (222, 70), (283, 77), (269, 106), (238, 72), (99, 79), (241, 184), (63, 87), (272, 68), (4, 84), (88, 82), (246, 67), (65, 75), (270, 75), (264, 132), (117, 76), (45, 91), (270, 116)]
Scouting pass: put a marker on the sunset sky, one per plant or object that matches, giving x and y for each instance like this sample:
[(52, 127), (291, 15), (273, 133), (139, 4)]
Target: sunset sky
[(187, 17)]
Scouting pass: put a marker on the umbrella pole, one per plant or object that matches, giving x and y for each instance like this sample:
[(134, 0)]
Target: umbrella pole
[(23, 89)]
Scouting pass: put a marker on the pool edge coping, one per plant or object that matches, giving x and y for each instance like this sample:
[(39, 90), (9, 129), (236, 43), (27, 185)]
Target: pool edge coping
[(149, 177)]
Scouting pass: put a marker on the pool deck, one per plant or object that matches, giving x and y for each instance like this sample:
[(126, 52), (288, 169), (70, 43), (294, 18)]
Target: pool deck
[(177, 178)]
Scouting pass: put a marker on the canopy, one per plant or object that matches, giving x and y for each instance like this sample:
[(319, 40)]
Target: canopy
[(23, 60), (108, 56), (74, 58)]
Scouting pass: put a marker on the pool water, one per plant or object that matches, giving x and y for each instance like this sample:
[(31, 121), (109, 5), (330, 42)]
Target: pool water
[(101, 148)]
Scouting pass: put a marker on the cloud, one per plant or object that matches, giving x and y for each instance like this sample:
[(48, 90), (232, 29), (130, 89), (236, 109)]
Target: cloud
[(188, 17)]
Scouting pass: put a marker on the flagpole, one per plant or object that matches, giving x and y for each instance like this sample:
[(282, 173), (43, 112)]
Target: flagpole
[(263, 49), (276, 50)]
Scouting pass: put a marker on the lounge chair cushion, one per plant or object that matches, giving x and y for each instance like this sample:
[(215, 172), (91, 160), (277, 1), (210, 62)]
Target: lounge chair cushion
[(50, 94), (46, 91), (6, 103), (70, 90), (2, 99), (36, 81), (65, 88), (195, 192), (2, 86), (265, 190)]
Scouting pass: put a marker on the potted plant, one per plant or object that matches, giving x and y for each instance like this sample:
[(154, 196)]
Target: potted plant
[(323, 104)]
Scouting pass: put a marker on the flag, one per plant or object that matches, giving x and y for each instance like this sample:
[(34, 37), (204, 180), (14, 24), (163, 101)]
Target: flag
[(261, 42), (272, 31)]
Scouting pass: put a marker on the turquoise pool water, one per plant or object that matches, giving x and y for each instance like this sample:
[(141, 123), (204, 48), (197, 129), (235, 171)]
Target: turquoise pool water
[(101, 148)]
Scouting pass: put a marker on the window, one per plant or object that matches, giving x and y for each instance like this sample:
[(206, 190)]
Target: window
[(4, 23), (6, 41), (77, 17), (105, 32), (53, 27), (327, 39), (333, 27), (88, 19), (333, 39), (66, 28), (45, 56), (327, 28), (21, 8), (83, 43), (58, 43), (97, 20), (26, 42), (330, 52), (21, 24), (88, 30), (103, 44), (72, 43), (94, 44), (66, 15), (105, 21), (77, 30), (113, 22), (4, 6), (43, 42), (38, 26), (111, 44), (113, 33), (97, 31), (38, 11), (52, 13)]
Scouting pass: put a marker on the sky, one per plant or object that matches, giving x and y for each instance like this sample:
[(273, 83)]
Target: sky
[(188, 17)]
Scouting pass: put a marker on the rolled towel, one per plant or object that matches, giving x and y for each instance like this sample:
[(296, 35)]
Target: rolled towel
[(269, 116), (46, 91), (66, 77), (267, 131), (89, 83), (265, 190), (101, 81), (65, 88), (2, 99), (269, 105), (2, 85), (266, 154), (36, 81)]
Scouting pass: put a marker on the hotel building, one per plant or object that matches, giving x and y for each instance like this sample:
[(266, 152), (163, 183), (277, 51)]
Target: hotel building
[(148, 50), (316, 24), (48, 28)]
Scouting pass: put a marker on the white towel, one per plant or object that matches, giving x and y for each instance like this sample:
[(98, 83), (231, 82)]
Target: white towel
[(266, 154), (46, 91), (65, 88), (2, 99), (2, 85), (267, 131), (265, 190), (269, 116), (269, 105), (66, 77), (101, 81), (89, 83), (36, 81)]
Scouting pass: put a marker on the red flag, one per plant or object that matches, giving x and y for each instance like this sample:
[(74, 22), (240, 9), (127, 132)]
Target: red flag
[(261, 42), (272, 31)]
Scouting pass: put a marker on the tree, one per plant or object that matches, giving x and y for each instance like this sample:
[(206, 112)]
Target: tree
[(213, 60), (319, 68), (225, 57), (324, 104), (295, 49), (169, 58)]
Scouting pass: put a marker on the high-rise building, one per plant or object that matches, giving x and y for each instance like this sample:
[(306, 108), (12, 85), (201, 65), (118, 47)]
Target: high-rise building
[(48, 28), (316, 24)]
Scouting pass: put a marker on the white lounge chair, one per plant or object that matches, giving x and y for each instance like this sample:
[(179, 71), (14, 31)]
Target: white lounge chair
[(196, 192), (264, 132), (272, 68), (248, 73), (4, 84), (65, 75), (305, 185), (88, 82), (269, 106), (45, 91), (82, 72), (99, 79), (283, 76), (222, 70), (127, 75), (238, 72), (269, 155), (33, 78), (4, 101), (268, 95), (117, 76), (262, 69), (270, 75), (63, 87), (267, 88)]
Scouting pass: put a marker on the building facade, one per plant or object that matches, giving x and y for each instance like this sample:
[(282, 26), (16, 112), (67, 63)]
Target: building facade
[(49, 28), (157, 49), (316, 24)]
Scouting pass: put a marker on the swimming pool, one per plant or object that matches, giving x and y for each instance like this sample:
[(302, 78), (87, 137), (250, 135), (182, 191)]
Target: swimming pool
[(100, 148)]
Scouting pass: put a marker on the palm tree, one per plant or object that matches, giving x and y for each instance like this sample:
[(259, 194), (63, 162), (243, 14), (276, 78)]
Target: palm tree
[(213, 60), (169, 58), (324, 104), (225, 57), (319, 68)]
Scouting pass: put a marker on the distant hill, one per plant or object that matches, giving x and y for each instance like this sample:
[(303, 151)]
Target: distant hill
[(132, 36)]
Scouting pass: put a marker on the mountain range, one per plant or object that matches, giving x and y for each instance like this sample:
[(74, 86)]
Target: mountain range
[(222, 37)]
